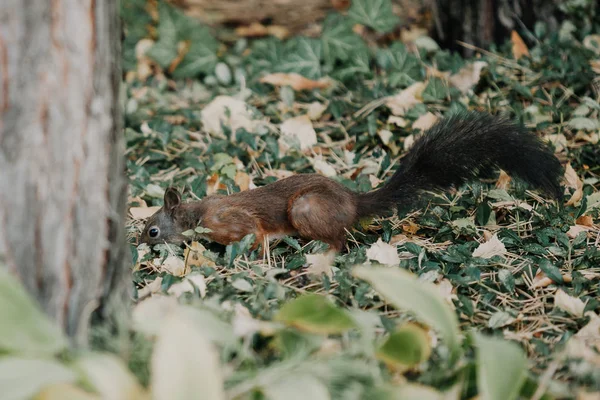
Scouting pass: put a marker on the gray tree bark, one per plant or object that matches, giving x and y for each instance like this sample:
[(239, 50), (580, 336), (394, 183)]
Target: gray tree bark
[(62, 183)]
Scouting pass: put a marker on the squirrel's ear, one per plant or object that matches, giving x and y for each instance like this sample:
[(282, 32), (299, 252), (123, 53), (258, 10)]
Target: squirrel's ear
[(172, 199)]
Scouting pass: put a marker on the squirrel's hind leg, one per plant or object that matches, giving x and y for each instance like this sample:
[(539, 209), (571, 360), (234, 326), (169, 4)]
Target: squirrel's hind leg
[(322, 214)]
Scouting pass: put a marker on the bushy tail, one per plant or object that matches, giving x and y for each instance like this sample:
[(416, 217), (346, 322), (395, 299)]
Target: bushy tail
[(460, 148)]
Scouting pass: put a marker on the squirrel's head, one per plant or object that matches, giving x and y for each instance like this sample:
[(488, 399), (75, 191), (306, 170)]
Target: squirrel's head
[(163, 226)]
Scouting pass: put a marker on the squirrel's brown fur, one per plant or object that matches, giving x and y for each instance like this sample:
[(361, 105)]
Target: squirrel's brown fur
[(453, 151)]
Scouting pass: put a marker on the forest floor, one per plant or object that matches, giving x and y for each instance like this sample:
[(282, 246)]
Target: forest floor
[(219, 111)]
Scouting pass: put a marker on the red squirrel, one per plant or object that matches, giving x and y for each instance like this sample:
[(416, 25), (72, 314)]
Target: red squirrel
[(455, 150)]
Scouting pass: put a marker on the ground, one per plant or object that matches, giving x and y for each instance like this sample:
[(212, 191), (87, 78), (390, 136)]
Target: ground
[(214, 111)]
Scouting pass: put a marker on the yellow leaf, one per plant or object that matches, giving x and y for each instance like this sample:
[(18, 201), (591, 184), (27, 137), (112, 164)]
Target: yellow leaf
[(519, 48), (406, 99), (503, 181)]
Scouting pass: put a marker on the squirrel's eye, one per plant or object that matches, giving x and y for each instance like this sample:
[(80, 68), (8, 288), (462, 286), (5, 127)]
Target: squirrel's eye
[(153, 232)]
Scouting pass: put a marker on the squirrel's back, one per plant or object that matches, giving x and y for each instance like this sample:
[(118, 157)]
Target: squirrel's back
[(463, 147)]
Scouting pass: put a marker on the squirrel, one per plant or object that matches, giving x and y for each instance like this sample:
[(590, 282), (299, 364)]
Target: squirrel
[(455, 150)]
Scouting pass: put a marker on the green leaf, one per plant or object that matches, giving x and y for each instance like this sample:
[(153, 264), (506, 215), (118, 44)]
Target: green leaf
[(316, 314), (501, 368), (551, 270), (435, 91), (184, 362), (339, 40), (303, 57), (201, 57), (23, 327), (164, 50), (109, 376), (404, 68), (407, 347), (376, 14), (22, 378), (296, 387), (404, 291), (507, 279)]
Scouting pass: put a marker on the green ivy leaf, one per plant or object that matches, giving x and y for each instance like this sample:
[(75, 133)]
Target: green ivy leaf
[(201, 57), (376, 14), (316, 314), (404, 68), (551, 270), (435, 91), (339, 40), (164, 50), (303, 57)]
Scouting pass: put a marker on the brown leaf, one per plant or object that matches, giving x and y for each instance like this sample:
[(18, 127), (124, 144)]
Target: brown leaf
[(585, 220), (214, 184), (573, 181), (295, 81), (242, 179), (519, 48), (258, 30), (503, 181), (410, 227)]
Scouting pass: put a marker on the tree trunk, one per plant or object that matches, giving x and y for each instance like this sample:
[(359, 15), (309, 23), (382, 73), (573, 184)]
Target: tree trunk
[(485, 22), (62, 183)]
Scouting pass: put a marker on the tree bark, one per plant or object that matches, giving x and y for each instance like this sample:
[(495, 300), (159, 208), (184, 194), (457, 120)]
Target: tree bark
[(485, 22), (62, 183)]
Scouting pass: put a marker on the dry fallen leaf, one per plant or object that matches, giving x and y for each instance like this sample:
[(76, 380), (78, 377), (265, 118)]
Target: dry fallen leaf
[(468, 76), (409, 141), (384, 253), (406, 99), (575, 230), (503, 181), (258, 30), (194, 256), (573, 181), (143, 212), (151, 288), (227, 111), (323, 167), (491, 248), (173, 265), (541, 280), (425, 121), (242, 179), (519, 48), (410, 227), (558, 140), (244, 325), (585, 344), (447, 291), (398, 121), (320, 264), (385, 136), (315, 110), (570, 304), (295, 81), (300, 127), (214, 184), (585, 220), (145, 64), (185, 286)]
